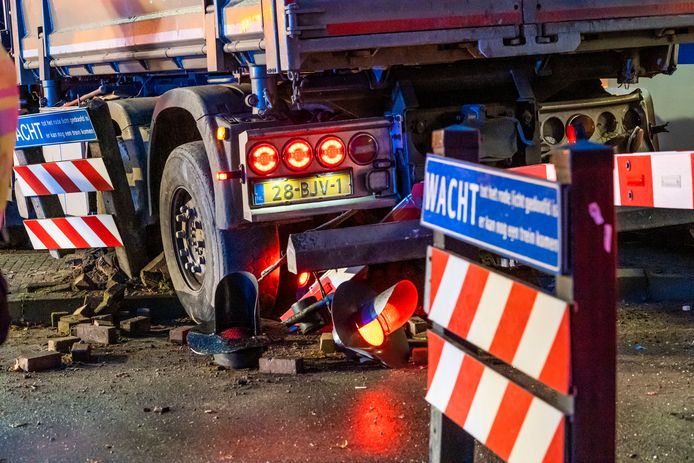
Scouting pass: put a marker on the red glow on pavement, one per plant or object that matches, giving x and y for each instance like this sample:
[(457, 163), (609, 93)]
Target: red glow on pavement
[(379, 427)]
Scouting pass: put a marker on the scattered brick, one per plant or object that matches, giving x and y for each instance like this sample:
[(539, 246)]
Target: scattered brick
[(81, 352), (66, 323), (327, 343), (179, 335), (103, 320), (417, 327), (96, 334), (39, 362), (420, 355), (278, 366), (56, 316), (136, 326), (62, 345), (84, 311)]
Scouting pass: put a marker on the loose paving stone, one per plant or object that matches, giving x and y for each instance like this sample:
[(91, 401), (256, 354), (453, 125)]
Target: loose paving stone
[(62, 344), (279, 366), (81, 352), (420, 355), (67, 322), (179, 334), (417, 327), (327, 343), (103, 320), (96, 334), (56, 316), (39, 362), (136, 326)]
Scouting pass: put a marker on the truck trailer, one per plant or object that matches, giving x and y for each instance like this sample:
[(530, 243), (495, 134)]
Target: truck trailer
[(241, 121)]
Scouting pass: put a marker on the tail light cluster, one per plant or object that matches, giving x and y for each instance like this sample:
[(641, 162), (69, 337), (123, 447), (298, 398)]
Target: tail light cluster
[(298, 154)]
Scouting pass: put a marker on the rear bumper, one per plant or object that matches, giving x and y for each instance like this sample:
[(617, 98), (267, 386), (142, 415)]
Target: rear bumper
[(297, 211)]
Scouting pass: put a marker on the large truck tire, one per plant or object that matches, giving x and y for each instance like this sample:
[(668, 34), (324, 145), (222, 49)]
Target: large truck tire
[(198, 254)]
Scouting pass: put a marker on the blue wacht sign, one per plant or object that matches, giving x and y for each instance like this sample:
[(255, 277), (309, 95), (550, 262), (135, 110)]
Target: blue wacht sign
[(512, 215), (54, 128)]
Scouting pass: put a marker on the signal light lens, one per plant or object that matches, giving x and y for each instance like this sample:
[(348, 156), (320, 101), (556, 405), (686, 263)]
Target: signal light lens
[(223, 176), (298, 154), (222, 133), (373, 333), (263, 159), (303, 279), (363, 148), (387, 312), (331, 152)]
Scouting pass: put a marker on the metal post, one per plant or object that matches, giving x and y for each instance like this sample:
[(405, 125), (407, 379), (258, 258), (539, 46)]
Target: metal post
[(258, 86), (132, 256)]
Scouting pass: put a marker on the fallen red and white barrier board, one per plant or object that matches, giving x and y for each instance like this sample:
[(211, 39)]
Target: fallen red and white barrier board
[(93, 231)]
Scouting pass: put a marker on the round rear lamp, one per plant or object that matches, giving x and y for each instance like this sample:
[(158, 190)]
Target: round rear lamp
[(298, 155), (331, 152), (263, 159), (363, 148)]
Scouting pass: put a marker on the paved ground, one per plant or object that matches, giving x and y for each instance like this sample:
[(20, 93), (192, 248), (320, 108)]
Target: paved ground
[(335, 412)]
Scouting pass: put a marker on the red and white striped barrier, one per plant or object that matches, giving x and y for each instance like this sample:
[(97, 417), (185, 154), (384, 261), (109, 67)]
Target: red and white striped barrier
[(512, 321), (509, 420), (52, 178), (662, 179), (93, 231)]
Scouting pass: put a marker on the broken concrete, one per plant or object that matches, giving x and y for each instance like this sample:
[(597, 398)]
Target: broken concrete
[(96, 334), (66, 323), (136, 326), (56, 316), (327, 343), (280, 366), (154, 274), (417, 327), (81, 352), (179, 334)]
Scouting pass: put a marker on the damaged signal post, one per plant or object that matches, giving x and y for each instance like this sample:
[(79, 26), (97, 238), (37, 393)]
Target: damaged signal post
[(528, 372)]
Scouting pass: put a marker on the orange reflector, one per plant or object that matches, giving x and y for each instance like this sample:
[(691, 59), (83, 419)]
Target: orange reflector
[(298, 154), (263, 158), (331, 152), (222, 176), (387, 312), (303, 279), (222, 133)]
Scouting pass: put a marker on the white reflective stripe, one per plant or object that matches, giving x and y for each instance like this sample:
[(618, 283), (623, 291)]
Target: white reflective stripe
[(489, 311), (485, 404), (551, 172), (24, 187), (617, 191), (445, 377), (108, 222), (536, 433), (36, 243), (672, 180), (539, 335), (86, 232), (451, 284), (46, 179), (382, 300), (100, 167), (76, 176), (57, 235)]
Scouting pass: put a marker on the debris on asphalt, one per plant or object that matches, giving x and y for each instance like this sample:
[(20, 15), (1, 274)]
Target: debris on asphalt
[(417, 327), (67, 322), (420, 355), (112, 299), (156, 273), (161, 410), (62, 345), (136, 326), (281, 366), (96, 334), (103, 320), (38, 362), (81, 352), (56, 316), (178, 335), (327, 344)]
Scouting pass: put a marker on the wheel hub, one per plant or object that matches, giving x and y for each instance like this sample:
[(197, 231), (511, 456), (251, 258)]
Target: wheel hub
[(189, 239)]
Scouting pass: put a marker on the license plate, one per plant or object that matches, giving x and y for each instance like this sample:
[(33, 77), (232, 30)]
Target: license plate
[(292, 190)]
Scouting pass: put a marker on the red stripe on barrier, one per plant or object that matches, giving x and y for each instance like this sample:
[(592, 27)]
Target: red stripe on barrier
[(635, 180), (465, 389), (59, 176), (509, 419), (41, 234), (73, 235), (102, 232), (468, 300), (438, 264), (557, 366), (93, 175), (31, 180), (435, 348), (513, 321)]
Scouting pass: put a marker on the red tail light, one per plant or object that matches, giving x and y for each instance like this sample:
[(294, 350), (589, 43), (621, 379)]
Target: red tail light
[(298, 154), (363, 148), (263, 159), (331, 152)]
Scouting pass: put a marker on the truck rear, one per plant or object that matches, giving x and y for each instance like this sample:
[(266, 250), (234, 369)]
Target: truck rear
[(241, 122)]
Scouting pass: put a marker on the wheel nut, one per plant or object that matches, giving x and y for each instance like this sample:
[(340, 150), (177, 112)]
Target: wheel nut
[(180, 218), (180, 234), (183, 252)]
